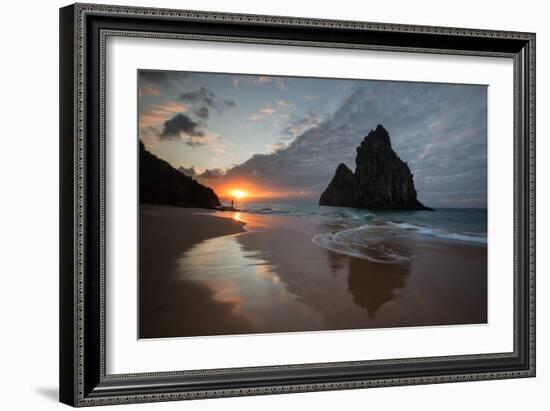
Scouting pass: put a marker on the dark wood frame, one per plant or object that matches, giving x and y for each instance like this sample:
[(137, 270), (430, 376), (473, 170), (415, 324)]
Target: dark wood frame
[(83, 30)]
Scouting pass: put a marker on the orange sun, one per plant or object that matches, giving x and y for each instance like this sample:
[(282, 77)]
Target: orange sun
[(238, 193)]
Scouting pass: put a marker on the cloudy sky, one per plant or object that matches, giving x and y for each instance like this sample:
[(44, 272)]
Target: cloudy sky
[(281, 138)]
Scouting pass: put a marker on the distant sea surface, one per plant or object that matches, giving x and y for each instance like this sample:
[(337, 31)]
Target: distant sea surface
[(366, 234)]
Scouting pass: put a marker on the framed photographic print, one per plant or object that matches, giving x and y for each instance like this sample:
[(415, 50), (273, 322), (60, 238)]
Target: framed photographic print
[(261, 204)]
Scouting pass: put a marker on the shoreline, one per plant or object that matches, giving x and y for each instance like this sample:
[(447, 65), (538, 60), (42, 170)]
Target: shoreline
[(165, 233), (210, 280)]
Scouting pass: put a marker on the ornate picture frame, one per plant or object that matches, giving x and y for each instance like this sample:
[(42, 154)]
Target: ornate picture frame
[(84, 30)]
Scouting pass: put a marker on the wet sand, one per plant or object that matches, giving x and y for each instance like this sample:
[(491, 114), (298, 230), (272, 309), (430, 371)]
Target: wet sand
[(168, 306), (205, 274)]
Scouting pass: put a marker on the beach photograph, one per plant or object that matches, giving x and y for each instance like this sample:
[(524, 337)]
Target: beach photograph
[(276, 204)]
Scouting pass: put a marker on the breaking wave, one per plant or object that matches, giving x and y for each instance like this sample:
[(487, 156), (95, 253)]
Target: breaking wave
[(438, 233), (386, 242), (372, 243)]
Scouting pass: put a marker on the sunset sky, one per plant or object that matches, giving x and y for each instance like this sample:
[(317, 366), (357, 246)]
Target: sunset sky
[(281, 138)]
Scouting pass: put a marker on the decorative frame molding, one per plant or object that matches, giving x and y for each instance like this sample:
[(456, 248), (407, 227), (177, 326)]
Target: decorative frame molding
[(84, 29)]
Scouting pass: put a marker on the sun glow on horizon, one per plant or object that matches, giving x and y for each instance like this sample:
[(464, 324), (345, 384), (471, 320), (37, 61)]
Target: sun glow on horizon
[(246, 191), (239, 194)]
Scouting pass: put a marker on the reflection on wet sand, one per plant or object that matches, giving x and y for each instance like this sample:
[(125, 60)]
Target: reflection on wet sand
[(243, 278), (373, 288), (171, 307)]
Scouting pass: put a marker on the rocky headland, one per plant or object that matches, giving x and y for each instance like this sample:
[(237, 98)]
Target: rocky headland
[(160, 183)]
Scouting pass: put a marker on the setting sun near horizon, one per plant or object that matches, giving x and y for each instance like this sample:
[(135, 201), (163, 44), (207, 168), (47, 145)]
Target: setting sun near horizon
[(250, 192), (240, 194)]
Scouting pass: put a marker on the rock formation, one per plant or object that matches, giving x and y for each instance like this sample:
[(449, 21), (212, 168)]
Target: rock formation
[(382, 181), (340, 191), (160, 183)]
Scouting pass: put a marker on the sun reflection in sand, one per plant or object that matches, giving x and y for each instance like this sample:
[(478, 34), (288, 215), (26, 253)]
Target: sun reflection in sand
[(245, 279)]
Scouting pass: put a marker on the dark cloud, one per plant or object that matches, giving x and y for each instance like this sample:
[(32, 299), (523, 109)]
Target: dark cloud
[(212, 174), (162, 78), (439, 129), (207, 98), (153, 76), (189, 172), (202, 113), (200, 96), (181, 124)]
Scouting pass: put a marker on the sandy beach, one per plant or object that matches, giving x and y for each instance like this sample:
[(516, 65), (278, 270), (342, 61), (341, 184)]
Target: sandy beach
[(168, 306), (212, 273)]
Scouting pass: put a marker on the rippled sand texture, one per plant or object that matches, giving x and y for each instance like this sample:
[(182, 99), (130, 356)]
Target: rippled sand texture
[(235, 273)]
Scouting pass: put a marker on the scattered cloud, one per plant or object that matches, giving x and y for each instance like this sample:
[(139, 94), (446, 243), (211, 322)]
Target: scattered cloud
[(281, 84), (163, 78), (149, 90), (207, 99), (426, 152), (212, 140), (300, 124), (157, 77), (181, 125), (202, 112), (261, 80), (149, 137), (285, 104), (255, 117), (310, 97), (262, 113), (160, 113), (212, 174), (201, 96), (189, 172), (194, 141), (273, 148)]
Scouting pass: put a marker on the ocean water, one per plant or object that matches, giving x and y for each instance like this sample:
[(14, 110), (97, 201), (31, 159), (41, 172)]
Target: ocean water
[(380, 235)]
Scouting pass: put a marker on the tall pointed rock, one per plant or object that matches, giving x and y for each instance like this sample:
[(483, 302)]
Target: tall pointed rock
[(381, 181)]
